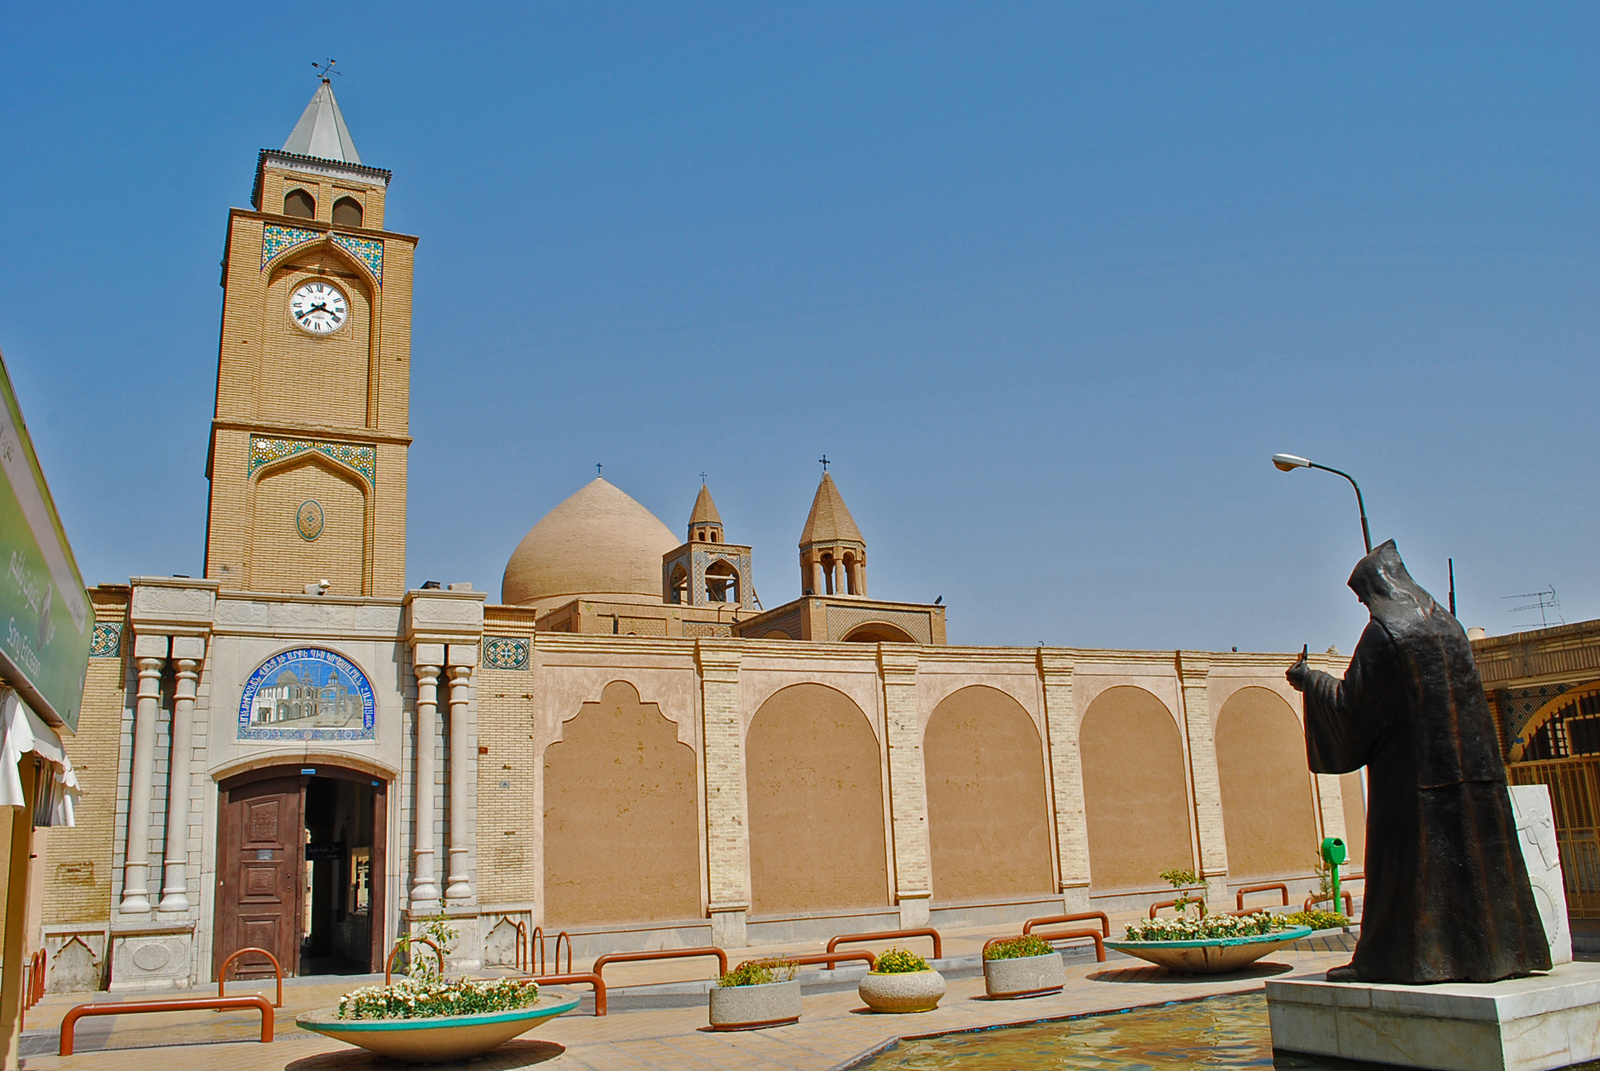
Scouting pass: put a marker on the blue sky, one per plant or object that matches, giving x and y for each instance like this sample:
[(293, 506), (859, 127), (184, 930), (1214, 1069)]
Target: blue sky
[(1049, 284)]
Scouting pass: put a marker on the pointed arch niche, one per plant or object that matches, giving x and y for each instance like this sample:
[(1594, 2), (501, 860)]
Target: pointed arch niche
[(815, 799), (324, 379), (1135, 788), (1267, 811), (988, 829), (621, 817), (286, 555)]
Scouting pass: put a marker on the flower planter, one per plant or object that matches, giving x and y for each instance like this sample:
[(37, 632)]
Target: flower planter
[(1029, 976), (915, 991), (753, 1007), (440, 1038), (1210, 956)]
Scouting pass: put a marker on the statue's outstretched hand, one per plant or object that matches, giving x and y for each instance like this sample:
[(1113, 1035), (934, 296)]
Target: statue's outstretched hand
[(1299, 674)]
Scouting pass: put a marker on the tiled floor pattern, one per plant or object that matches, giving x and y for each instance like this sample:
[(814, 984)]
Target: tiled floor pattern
[(833, 1031)]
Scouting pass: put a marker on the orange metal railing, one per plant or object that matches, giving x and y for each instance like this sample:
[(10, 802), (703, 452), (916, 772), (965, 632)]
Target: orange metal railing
[(1081, 916), (1159, 904), (580, 978), (403, 944), (663, 953), (1344, 894), (277, 970), (33, 983), (1269, 886), (831, 959), (890, 935), (137, 1007)]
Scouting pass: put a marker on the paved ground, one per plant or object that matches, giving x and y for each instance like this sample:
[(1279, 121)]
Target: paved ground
[(834, 1031)]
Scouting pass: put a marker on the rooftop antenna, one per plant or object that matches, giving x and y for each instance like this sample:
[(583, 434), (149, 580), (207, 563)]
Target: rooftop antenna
[(325, 69), (1545, 600), (823, 461)]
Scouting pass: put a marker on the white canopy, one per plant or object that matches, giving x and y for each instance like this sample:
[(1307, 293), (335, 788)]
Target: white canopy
[(24, 732)]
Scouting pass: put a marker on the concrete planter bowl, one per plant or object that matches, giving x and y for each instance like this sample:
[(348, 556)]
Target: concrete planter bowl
[(438, 1039), (1029, 976), (915, 991), (1212, 956), (754, 1007)]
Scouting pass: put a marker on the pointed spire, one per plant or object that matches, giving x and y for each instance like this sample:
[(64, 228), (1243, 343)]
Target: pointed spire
[(321, 131), (830, 518), (705, 510)]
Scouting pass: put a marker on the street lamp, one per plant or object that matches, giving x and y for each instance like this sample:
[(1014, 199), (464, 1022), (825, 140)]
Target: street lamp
[(1289, 462)]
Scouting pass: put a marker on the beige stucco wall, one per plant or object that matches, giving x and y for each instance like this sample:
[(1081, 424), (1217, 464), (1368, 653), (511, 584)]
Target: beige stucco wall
[(815, 798), (1267, 807), (1135, 798), (988, 824), (621, 824)]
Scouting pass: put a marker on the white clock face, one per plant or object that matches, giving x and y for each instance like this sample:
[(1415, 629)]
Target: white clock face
[(319, 308)]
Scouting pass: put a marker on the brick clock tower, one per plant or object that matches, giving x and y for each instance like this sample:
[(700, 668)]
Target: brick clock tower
[(308, 445)]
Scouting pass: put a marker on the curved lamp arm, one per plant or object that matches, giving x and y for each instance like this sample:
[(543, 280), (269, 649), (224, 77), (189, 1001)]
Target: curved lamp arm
[(1290, 462)]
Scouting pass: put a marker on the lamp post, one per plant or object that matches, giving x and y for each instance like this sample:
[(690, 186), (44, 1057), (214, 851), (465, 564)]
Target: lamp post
[(1289, 462)]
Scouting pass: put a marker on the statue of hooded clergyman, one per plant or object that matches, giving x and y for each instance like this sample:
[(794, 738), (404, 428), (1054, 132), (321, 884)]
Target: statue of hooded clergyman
[(1447, 893)]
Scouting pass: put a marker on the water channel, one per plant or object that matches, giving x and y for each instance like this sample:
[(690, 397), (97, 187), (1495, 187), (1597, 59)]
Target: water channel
[(1218, 1033)]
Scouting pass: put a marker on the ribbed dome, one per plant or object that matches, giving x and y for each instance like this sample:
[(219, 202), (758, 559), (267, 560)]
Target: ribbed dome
[(598, 544)]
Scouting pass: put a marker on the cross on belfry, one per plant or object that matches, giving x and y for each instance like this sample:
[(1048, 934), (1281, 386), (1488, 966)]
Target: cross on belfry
[(325, 69), (597, 467), (823, 461), (702, 479)]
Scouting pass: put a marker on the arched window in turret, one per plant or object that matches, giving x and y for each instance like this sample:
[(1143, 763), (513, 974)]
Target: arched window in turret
[(299, 203), (722, 582), (347, 212)]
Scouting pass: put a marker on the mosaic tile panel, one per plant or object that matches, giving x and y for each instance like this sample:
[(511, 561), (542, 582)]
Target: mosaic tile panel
[(362, 458), (505, 652), (275, 239), (367, 250), (107, 642)]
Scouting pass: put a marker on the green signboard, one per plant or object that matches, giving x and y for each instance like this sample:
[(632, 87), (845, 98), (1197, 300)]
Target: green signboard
[(46, 622)]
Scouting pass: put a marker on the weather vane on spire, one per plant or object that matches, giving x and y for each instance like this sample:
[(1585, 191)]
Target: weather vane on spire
[(325, 69), (823, 461)]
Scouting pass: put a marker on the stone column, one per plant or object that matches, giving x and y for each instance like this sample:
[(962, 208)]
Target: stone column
[(1066, 778), (463, 771), (187, 652), (424, 885), (727, 838), (816, 578), (1194, 670), (908, 792), (150, 654)]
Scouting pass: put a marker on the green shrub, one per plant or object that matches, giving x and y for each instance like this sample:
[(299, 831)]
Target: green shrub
[(1018, 948), (1318, 920), (900, 961), (759, 972), (1210, 927), (426, 999)]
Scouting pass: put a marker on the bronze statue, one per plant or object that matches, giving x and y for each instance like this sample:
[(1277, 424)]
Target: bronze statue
[(1447, 893)]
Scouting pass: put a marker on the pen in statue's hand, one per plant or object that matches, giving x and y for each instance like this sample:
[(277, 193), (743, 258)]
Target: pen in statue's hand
[(1299, 674)]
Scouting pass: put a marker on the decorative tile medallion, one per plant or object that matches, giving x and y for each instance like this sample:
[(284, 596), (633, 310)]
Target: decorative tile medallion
[(107, 642), (307, 694), (275, 239), (505, 652), (308, 520), (367, 250), (362, 458)]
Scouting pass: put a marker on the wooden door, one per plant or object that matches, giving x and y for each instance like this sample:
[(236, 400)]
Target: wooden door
[(260, 880)]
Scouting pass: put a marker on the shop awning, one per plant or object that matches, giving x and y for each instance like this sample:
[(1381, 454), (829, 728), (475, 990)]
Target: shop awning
[(56, 797)]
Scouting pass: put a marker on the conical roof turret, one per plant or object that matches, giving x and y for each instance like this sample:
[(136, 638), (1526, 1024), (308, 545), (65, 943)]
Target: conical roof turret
[(705, 510), (829, 519), (321, 131)]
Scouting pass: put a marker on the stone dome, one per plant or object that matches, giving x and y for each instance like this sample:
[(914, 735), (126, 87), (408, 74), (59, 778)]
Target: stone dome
[(598, 544)]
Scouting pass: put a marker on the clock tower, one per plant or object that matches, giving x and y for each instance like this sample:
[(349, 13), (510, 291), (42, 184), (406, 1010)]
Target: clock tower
[(308, 445)]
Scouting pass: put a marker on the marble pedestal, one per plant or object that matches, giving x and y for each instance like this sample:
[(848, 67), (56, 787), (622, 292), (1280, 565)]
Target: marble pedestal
[(1524, 1024)]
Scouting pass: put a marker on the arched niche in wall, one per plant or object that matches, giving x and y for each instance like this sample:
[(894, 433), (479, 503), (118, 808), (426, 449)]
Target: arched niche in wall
[(814, 793), (988, 826), (309, 523), (1135, 788), (621, 817), (1267, 810)]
